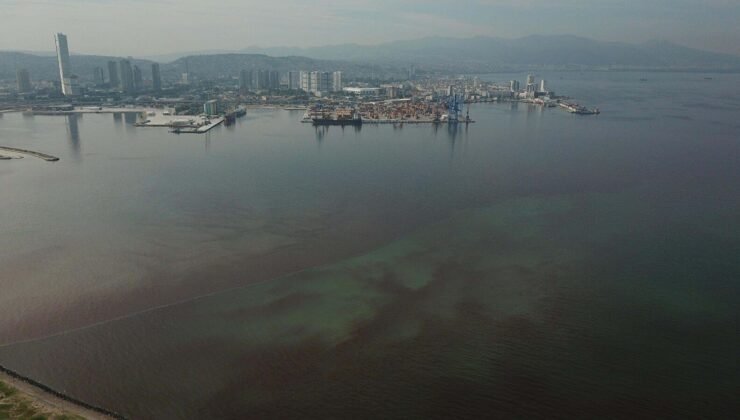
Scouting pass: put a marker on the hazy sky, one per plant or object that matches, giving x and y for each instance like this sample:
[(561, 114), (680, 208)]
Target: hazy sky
[(150, 27)]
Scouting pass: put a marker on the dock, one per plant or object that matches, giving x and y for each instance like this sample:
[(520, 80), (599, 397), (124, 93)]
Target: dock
[(44, 156), (422, 121), (401, 121), (201, 129)]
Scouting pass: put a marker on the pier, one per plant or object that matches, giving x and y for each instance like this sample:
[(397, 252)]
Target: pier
[(44, 156), (200, 129)]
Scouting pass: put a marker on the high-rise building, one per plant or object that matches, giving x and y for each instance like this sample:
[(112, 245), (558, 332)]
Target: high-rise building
[(336, 82), (127, 76), (305, 81), (274, 80), (294, 80), (245, 80), (514, 86), (67, 79), (99, 76), (113, 78), (531, 87), (258, 79), (23, 81), (319, 82), (543, 86), (211, 107), (138, 79), (324, 82), (156, 77), (261, 79), (313, 78)]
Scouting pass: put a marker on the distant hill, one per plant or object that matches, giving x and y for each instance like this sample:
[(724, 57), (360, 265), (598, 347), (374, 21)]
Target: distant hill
[(207, 66), (487, 53), (229, 65), (44, 67), (453, 55)]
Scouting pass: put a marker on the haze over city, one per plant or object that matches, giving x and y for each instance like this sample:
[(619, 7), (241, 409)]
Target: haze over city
[(143, 28)]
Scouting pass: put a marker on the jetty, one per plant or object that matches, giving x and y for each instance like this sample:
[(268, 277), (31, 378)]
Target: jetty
[(44, 156)]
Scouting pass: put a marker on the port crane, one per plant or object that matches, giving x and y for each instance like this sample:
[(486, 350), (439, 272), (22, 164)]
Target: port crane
[(454, 109)]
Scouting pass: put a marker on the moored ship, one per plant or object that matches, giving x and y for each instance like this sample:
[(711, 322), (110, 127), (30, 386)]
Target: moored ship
[(579, 109), (342, 116)]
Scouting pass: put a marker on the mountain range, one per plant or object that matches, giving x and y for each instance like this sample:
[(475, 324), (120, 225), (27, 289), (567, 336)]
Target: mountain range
[(450, 55)]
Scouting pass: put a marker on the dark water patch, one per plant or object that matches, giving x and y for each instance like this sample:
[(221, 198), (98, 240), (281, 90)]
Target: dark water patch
[(534, 265)]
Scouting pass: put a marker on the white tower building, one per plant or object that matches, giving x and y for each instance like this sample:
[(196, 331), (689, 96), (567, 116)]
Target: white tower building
[(67, 79)]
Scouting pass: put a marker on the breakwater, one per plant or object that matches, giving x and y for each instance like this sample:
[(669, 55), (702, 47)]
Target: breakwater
[(44, 156), (69, 399)]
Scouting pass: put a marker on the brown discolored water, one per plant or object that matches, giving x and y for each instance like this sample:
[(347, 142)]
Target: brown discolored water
[(535, 264)]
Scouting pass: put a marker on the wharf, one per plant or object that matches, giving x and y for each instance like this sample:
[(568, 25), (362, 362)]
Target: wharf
[(199, 130), (401, 121), (93, 110), (422, 121)]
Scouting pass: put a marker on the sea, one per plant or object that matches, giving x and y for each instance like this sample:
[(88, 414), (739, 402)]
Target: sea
[(533, 264)]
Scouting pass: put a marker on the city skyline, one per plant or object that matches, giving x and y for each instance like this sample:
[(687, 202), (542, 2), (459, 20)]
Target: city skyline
[(237, 25)]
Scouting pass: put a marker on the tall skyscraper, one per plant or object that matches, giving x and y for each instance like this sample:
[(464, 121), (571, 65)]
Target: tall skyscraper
[(305, 81), (245, 80), (113, 78), (23, 80), (317, 82), (274, 80), (67, 79), (261, 79), (98, 76), (530, 79), (127, 76), (138, 79), (314, 80), (514, 86), (543, 86), (156, 77), (336, 81), (294, 80)]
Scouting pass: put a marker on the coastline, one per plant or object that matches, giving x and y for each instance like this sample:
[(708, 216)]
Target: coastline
[(25, 394)]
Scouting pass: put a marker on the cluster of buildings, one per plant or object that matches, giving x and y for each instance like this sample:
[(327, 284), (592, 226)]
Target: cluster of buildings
[(531, 90), (318, 83), (128, 78), (121, 75)]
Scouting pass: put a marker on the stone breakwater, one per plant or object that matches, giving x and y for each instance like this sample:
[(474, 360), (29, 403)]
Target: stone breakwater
[(44, 156), (85, 409)]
